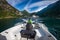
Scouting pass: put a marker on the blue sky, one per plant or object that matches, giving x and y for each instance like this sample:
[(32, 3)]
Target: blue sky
[(30, 5)]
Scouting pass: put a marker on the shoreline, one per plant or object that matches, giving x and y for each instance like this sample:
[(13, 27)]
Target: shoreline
[(9, 17), (15, 17)]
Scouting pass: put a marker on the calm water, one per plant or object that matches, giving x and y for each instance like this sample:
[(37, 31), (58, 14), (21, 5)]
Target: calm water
[(52, 24)]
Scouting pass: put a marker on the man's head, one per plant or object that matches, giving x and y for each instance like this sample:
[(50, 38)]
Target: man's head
[(30, 21)]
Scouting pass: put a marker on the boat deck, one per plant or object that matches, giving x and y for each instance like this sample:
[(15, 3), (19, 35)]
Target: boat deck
[(14, 33)]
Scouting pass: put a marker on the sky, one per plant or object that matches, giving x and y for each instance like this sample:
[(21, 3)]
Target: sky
[(30, 6)]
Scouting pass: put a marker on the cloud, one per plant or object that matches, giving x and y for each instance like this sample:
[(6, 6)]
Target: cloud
[(40, 5), (30, 5), (18, 4), (15, 2), (31, 10)]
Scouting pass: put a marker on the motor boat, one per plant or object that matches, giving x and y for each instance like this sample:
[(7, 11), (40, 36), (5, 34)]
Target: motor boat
[(13, 33)]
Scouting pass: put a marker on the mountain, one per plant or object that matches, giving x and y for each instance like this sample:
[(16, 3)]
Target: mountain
[(6, 10), (52, 10)]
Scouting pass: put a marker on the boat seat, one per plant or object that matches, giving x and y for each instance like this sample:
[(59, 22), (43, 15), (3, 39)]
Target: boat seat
[(2, 37), (29, 34)]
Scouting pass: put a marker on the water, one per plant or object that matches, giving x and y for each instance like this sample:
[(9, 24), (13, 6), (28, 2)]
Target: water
[(52, 24), (8, 23), (54, 27)]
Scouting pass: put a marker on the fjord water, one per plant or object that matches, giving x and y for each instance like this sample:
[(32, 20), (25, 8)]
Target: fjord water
[(52, 24)]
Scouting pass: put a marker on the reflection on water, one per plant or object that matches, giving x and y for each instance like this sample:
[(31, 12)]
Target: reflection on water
[(8, 23), (54, 27), (52, 24)]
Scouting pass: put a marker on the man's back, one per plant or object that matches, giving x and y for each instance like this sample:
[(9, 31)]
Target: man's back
[(29, 25)]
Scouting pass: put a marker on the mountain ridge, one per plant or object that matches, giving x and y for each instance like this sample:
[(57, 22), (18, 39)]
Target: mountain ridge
[(52, 10)]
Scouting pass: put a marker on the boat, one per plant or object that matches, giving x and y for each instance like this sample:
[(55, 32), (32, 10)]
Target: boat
[(13, 33)]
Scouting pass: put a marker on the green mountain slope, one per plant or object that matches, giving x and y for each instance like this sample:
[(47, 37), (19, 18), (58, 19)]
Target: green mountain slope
[(51, 11), (7, 11)]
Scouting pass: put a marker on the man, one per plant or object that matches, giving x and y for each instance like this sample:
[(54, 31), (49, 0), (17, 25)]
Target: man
[(28, 33), (29, 25)]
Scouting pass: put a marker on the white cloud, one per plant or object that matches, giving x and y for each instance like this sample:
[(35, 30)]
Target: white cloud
[(38, 9), (40, 4), (15, 2)]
